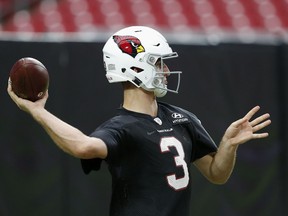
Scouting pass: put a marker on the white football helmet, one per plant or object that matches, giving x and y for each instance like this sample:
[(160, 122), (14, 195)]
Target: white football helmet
[(131, 55)]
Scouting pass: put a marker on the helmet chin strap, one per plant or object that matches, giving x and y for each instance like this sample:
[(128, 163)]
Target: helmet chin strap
[(160, 92), (160, 88)]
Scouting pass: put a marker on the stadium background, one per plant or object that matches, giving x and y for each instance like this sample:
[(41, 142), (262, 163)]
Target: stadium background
[(224, 75)]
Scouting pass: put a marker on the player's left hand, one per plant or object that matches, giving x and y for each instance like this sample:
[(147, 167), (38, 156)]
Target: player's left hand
[(246, 129)]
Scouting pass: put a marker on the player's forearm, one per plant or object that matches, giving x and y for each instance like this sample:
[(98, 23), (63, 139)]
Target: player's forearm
[(223, 163), (68, 138)]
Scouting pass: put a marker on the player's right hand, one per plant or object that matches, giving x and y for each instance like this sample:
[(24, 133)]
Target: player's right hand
[(26, 105)]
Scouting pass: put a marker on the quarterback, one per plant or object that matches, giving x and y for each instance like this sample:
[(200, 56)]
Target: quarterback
[(149, 146)]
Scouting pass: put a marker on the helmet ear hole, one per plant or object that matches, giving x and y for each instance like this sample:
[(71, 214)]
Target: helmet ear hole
[(136, 69), (123, 70)]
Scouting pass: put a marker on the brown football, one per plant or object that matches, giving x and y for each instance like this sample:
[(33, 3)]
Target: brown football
[(29, 79)]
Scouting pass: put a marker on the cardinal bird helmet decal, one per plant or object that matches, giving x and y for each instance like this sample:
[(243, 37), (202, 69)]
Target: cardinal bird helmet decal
[(129, 45), (126, 59)]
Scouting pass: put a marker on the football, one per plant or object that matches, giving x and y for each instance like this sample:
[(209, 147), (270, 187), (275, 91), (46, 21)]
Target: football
[(29, 79)]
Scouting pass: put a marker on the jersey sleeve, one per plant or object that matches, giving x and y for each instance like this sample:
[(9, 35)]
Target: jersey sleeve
[(111, 137), (203, 144)]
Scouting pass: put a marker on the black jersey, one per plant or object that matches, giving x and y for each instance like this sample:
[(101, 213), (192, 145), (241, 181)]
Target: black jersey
[(149, 160)]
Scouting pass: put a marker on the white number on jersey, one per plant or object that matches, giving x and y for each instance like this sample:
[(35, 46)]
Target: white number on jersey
[(175, 183)]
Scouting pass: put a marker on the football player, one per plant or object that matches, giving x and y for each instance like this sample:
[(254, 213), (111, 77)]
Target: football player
[(149, 146)]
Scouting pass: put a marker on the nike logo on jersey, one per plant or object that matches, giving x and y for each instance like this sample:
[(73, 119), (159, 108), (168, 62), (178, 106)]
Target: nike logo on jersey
[(150, 133)]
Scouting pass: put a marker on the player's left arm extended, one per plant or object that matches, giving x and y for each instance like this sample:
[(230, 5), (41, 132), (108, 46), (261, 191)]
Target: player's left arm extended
[(218, 167)]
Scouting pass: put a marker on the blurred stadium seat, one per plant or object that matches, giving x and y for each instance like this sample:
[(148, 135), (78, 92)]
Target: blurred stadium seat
[(207, 16)]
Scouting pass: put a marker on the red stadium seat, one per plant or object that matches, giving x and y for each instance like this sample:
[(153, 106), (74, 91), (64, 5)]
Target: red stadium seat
[(206, 15)]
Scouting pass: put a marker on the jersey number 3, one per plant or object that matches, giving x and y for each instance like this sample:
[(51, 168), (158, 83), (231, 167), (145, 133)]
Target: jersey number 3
[(173, 181)]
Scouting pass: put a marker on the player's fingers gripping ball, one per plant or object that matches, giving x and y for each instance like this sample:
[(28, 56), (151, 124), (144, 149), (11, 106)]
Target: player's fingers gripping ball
[(29, 79)]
